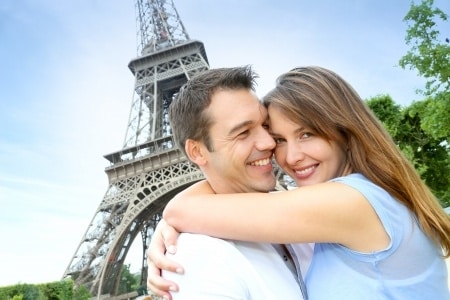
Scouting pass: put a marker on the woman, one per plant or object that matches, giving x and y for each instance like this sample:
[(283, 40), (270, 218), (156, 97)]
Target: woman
[(379, 231)]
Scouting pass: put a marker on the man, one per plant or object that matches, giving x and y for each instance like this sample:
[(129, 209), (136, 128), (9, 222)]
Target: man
[(220, 124)]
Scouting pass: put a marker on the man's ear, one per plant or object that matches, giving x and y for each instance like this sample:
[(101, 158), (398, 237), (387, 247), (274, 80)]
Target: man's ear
[(195, 151)]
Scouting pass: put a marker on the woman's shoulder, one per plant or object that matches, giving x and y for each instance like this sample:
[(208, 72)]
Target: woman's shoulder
[(355, 180), (366, 187), (386, 205), (353, 177)]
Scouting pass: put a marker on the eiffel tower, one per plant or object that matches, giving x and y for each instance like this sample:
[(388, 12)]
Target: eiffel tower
[(149, 170)]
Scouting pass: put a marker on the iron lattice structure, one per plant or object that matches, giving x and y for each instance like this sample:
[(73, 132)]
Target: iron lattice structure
[(150, 169)]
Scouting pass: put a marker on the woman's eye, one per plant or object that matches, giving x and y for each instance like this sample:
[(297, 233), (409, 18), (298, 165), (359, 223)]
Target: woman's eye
[(278, 140), (305, 135)]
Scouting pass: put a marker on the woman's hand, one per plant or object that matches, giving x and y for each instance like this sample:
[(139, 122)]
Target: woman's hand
[(164, 238)]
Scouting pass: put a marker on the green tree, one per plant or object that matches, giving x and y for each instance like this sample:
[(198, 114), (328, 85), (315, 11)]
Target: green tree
[(128, 281), (26, 292), (81, 293), (429, 155), (389, 113), (57, 290), (430, 56), (427, 143), (431, 152)]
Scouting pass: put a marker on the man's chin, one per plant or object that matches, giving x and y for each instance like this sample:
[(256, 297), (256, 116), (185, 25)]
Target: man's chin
[(266, 185)]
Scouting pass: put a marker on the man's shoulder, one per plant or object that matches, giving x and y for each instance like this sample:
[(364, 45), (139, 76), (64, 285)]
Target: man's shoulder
[(203, 243), (215, 269), (188, 237), (192, 246), (194, 250)]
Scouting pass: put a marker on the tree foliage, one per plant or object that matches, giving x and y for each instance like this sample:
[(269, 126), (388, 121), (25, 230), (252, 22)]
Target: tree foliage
[(430, 56), (424, 127), (128, 281), (58, 290), (22, 292), (81, 293), (429, 155), (429, 53)]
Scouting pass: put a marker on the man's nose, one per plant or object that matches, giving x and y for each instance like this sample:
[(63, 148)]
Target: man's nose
[(265, 141)]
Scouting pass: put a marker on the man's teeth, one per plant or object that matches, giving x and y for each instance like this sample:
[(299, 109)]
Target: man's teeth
[(261, 162)]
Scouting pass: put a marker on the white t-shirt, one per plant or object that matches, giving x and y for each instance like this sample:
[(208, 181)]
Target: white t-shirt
[(303, 253), (220, 269)]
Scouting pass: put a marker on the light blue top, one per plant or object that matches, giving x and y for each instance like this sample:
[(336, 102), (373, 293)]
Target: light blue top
[(411, 267)]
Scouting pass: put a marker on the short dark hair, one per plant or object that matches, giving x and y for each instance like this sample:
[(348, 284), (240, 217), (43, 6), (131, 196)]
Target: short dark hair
[(187, 116)]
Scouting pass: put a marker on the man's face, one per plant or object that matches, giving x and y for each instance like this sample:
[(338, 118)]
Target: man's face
[(242, 157)]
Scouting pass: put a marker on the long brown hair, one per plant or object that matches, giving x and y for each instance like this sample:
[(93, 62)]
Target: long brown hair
[(328, 105)]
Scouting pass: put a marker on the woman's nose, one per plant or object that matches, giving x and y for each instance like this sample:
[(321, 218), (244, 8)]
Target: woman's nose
[(294, 154)]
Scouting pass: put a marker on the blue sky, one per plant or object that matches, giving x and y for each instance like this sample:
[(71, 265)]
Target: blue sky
[(66, 91)]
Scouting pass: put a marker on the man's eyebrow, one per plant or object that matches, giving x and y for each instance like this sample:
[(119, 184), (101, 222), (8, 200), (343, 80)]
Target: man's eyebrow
[(239, 126)]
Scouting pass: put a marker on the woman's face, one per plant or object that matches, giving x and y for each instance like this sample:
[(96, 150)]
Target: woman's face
[(304, 156)]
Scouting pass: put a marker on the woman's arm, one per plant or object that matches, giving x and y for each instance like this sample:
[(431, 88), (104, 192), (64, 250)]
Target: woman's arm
[(327, 212)]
